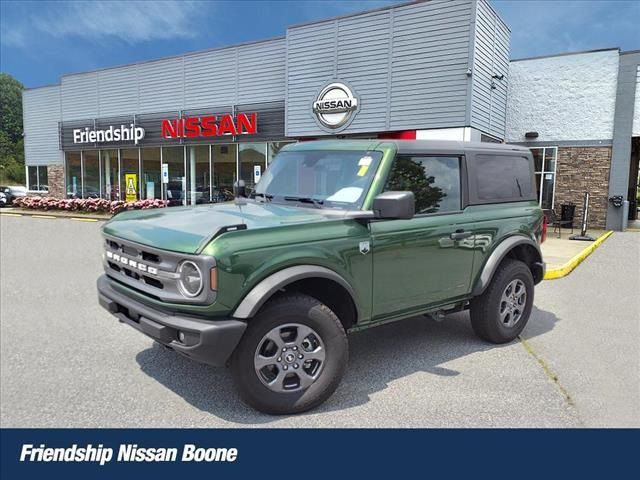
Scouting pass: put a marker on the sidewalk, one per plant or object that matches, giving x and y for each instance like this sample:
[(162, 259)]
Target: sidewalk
[(556, 252)]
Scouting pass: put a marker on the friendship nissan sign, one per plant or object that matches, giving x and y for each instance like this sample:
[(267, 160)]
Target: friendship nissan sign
[(210, 126), (335, 106), (122, 133)]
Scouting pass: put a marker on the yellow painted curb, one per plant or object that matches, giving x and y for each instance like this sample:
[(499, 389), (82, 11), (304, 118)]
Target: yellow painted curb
[(568, 267), (83, 219), (632, 230), (42, 216), (10, 214)]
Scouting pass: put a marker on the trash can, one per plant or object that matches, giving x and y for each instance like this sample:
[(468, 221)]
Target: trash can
[(567, 212)]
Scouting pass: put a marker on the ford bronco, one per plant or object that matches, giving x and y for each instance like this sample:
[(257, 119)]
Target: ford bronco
[(338, 235)]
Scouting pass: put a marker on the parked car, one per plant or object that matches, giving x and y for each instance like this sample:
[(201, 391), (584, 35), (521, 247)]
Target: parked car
[(13, 192), (339, 236), (3, 199)]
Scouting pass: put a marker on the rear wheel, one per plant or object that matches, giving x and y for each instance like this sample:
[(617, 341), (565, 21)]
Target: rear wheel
[(500, 314), (292, 356)]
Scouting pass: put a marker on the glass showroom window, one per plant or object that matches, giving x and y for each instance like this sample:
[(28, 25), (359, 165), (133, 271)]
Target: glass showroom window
[(110, 174), (545, 167), (198, 175), (37, 178), (151, 177), (129, 171), (223, 159), (253, 160), (274, 148), (91, 174), (173, 157), (73, 173)]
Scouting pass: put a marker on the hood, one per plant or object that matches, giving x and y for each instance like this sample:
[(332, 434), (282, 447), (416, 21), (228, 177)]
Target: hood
[(189, 229)]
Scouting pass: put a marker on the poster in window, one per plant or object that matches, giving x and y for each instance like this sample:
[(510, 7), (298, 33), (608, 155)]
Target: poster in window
[(131, 180)]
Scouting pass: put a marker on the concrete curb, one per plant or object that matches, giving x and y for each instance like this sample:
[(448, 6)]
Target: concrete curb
[(81, 217), (568, 267)]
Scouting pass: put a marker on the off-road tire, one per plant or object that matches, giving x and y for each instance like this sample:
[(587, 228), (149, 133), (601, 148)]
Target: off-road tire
[(485, 309), (286, 309)]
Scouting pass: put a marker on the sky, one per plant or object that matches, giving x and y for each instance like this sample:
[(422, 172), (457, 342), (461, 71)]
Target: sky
[(41, 40)]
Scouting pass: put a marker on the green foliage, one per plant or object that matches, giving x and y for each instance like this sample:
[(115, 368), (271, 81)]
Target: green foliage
[(11, 141), (407, 175)]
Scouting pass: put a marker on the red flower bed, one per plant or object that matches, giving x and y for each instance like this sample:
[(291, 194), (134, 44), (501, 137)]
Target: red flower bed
[(90, 205)]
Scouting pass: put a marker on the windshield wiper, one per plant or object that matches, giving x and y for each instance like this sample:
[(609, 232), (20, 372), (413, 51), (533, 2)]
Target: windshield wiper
[(316, 202), (267, 196)]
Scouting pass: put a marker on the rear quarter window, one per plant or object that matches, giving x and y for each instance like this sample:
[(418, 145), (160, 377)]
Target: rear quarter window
[(503, 178)]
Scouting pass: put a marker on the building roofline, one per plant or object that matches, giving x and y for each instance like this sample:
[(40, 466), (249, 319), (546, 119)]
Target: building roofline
[(180, 55), (27, 89), (630, 52), (497, 14), (356, 14), (566, 54)]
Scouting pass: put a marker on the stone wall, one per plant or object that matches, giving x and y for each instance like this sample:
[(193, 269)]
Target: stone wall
[(55, 177), (579, 170)]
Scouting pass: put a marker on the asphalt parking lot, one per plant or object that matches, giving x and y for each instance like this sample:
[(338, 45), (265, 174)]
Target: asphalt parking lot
[(65, 362)]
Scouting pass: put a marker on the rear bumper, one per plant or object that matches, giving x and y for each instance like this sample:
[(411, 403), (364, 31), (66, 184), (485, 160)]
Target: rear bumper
[(206, 341)]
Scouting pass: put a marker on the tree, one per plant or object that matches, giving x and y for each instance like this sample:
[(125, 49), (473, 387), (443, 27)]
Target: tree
[(11, 143), (409, 175)]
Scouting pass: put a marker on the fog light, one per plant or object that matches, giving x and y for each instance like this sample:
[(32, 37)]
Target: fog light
[(181, 336)]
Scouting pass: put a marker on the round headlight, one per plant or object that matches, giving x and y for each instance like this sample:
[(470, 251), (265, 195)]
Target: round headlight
[(190, 281)]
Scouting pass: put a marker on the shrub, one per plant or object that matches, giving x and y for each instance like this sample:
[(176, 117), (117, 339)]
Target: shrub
[(90, 205)]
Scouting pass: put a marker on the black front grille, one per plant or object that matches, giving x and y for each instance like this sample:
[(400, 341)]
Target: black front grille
[(153, 271)]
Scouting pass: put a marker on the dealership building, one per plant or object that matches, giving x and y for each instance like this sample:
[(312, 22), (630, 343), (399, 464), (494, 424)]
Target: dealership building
[(187, 128)]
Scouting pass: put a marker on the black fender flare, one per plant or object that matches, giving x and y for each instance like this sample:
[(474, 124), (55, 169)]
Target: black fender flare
[(499, 253), (260, 293)]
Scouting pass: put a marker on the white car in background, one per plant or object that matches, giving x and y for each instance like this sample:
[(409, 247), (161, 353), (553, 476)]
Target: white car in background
[(12, 192)]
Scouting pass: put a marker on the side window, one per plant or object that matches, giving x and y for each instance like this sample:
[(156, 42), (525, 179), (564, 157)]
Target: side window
[(435, 182), (503, 177)]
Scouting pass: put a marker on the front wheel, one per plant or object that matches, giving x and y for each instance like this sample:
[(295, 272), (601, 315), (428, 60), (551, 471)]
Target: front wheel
[(500, 314), (292, 356)]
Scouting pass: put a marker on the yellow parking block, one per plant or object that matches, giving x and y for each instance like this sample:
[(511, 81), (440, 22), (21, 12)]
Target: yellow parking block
[(84, 219), (10, 214), (42, 216)]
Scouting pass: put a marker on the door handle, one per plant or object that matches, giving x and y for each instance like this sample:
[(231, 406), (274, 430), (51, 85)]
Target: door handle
[(460, 234)]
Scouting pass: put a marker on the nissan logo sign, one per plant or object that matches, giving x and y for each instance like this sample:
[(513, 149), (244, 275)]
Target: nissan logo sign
[(335, 106)]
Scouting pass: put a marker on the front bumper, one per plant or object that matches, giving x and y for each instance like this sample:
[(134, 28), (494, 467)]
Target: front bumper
[(206, 341)]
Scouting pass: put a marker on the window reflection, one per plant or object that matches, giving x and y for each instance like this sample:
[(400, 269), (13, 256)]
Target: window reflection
[(434, 181), (173, 157), (253, 159), (91, 170), (151, 178), (198, 174), (110, 174), (223, 158), (73, 175)]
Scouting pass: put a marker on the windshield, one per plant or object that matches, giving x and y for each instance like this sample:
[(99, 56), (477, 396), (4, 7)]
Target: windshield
[(322, 179)]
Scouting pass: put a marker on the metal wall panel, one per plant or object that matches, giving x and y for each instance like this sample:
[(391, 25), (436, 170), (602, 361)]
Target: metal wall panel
[(118, 91), (41, 114), (161, 85), (79, 96), (210, 78), (490, 57), (261, 68), (407, 64)]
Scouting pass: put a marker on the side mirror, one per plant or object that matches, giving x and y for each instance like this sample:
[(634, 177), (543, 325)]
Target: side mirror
[(401, 205)]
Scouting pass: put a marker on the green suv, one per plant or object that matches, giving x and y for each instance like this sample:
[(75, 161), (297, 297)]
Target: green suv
[(338, 235)]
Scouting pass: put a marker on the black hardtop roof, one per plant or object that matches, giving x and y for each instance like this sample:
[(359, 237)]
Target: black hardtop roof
[(444, 147), (449, 146)]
